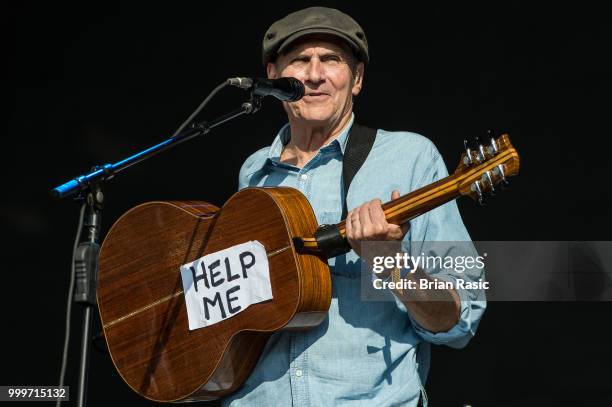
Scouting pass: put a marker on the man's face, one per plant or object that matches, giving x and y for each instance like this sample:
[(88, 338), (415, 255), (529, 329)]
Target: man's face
[(324, 67)]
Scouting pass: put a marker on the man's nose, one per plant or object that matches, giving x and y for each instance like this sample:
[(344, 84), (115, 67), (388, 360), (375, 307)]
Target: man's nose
[(315, 71)]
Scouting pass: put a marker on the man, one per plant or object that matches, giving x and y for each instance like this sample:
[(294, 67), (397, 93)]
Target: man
[(365, 352)]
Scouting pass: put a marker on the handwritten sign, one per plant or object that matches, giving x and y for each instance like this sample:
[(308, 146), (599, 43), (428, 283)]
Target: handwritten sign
[(222, 284)]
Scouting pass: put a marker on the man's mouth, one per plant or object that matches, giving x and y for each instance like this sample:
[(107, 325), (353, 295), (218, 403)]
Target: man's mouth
[(316, 95)]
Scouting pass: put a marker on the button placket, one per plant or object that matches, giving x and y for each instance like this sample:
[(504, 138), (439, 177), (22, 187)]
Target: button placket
[(294, 379)]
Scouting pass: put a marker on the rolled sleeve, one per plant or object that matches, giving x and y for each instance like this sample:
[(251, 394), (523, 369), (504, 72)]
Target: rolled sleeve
[(470, 315), (459, 335)]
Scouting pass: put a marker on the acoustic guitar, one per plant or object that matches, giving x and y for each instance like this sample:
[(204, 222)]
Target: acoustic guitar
[(140, 293)]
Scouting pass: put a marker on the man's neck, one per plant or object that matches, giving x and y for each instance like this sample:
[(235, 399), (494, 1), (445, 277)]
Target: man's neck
[(306, 140)]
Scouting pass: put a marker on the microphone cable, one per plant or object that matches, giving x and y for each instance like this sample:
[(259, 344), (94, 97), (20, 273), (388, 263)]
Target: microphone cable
[(69, 302)]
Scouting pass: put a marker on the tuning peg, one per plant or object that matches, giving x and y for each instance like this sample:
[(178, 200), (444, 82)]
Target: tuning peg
[(481, 201), (487, 179), (492, 147), (467, 160), (480, 156), (499, 171), (476, 188)]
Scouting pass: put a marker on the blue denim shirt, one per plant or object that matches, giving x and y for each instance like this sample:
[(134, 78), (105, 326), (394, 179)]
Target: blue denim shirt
[(364, 353)]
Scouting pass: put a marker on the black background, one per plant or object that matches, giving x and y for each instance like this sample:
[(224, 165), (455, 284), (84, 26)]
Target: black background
[(95, 84)]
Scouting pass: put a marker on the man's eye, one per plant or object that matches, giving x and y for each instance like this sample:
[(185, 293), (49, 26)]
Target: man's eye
[(331, 60)]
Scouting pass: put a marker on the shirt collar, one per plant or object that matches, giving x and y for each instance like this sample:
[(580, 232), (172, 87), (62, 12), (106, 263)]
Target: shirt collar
[(284, 135)]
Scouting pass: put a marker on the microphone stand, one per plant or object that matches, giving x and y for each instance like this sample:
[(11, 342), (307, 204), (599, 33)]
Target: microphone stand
[(88, 191)]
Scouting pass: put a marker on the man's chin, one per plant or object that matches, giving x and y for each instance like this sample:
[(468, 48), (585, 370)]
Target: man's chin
[(315, 118)]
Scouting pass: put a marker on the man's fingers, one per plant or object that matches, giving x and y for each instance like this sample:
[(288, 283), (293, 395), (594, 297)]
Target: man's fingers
[(368, 222), (365, 222), (404, 227), (352, 224), (347, 225), (351, 231), (378, 217)]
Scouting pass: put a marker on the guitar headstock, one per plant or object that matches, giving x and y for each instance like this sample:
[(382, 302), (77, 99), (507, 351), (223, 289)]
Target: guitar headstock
[(485, 168)]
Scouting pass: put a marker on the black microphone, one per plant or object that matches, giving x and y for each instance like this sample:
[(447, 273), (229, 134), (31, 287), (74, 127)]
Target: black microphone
[(285, 89)]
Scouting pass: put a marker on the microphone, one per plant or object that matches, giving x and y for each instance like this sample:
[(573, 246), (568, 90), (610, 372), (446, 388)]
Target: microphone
[(285, 89)]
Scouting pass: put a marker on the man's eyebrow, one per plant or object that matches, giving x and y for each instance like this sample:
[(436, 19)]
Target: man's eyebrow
[(332, 54), (323, 54)]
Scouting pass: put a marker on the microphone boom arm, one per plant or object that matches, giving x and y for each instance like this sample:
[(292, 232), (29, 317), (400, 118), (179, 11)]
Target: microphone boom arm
[(101, 173)]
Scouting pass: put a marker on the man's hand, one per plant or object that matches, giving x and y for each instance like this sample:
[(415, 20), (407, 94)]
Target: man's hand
[(367, 222)]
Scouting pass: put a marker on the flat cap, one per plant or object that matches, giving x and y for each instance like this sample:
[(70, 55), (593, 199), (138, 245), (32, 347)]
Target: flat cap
[(314, 20)]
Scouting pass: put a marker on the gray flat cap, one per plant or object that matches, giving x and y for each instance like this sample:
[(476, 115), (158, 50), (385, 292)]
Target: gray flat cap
[(314, 20)]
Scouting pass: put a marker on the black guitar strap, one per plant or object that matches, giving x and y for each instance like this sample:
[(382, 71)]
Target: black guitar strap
[(360, 142)]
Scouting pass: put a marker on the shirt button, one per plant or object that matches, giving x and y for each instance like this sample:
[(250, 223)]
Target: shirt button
[(303, 177), (298, 372)]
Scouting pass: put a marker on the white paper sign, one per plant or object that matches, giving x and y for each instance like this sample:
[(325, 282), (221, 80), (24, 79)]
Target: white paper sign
[(222, 284)]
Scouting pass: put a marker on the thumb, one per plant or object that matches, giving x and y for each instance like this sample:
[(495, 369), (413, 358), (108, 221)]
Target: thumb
[(395, 194)]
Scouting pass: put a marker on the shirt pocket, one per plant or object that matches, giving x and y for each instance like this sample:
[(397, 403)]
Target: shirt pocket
[(346, 265)]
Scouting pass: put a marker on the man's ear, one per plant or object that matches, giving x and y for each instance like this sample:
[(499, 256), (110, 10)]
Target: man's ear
[(271, 70), (358, 82)]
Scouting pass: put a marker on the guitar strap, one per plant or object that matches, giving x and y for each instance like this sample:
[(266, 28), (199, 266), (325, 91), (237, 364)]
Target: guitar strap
[(360, 142)]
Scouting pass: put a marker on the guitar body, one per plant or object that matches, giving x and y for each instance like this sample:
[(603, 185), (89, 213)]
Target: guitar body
[(142, 305)]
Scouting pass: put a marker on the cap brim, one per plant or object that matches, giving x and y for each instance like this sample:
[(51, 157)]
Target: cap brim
[(309, 31)]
